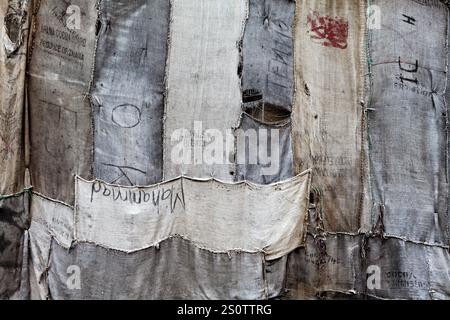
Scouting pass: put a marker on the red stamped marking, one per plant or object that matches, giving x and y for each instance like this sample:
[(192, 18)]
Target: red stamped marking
[(330, 32)]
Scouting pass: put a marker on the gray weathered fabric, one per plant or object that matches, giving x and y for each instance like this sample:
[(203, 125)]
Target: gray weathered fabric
[(203, 87), (254, 172), (407, 120), (176, 269), (342, 270), (214, 215), (439, 264), (342, 266), (447, 102), (404, 269), (60, 114), (14, 26), (14, 220), (276, 275), (302, 278), (273, 140), (268, 51), (128, 90), (23, 292), (327, 115)]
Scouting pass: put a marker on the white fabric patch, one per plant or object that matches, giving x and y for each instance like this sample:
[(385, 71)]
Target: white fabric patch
[(217, 216), (203, 86)]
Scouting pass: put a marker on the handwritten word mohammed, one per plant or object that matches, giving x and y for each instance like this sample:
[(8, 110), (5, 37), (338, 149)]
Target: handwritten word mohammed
[(330, 32), (134, 196)]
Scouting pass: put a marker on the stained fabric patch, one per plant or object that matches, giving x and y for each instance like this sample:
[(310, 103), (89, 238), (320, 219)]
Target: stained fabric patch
[(214, 215), (326, 267), (60, 113), (328, 31), (128, 90), (327, 116), (14, 220)]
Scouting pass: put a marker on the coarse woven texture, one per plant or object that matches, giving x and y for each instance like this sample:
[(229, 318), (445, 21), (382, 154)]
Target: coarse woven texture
[(217, 216), (174, 269), (14, 220), (407, 121), (128, 91), (409, 270), (203, 84), (263, 150), (344, 266), (14, 26), (268, 51), (327, 115), (447, 103), (60, 70)]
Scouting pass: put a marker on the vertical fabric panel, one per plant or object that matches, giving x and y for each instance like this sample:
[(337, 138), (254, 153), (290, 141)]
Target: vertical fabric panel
[(203, 85), (60, 70), (447, 100), (327, 115), (268, 51), (14, 26), (407, 120), (128, 95)]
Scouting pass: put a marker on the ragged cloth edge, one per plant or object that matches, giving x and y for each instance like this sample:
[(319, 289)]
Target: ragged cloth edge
[(176, 236), (18, 194), (210, 179)]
